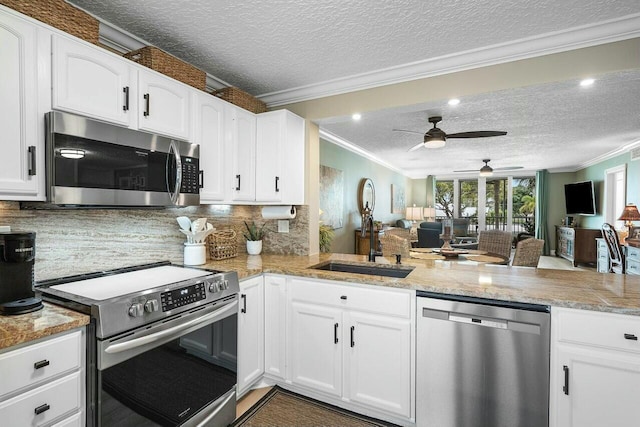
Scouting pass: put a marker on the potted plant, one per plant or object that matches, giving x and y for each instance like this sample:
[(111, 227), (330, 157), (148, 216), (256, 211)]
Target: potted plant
[(254, 237), (326, 235)]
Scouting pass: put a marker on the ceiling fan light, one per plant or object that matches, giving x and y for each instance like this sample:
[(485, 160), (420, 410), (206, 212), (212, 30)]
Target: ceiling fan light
[(486, 171), (435, 143)]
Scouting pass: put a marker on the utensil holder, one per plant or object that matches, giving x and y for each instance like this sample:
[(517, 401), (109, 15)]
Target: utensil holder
[(194, 254)]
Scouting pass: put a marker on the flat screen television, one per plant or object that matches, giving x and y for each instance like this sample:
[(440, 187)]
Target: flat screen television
[(579, 198)]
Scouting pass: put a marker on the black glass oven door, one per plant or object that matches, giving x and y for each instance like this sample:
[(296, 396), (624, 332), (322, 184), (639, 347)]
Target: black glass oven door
[(178, 381)]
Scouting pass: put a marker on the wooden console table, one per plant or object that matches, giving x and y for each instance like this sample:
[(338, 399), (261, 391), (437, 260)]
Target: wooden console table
[(578, 245)]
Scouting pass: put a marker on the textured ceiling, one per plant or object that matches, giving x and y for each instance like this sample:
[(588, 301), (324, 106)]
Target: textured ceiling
[(553, 126), (271, 46), (268, 46)]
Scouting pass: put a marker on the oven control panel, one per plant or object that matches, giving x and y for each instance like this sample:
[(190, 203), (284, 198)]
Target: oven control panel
[(183, 296)]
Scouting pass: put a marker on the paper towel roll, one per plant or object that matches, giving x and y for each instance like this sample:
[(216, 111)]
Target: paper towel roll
[(279, 212)]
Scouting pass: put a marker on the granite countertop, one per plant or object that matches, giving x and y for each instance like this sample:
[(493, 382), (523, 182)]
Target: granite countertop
[(586, 290), (52, 319)]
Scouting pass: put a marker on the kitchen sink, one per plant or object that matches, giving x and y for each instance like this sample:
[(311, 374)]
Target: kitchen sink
[(370, 269)]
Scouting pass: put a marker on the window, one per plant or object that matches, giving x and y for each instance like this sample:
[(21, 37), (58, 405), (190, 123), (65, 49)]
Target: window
[(444, 199)]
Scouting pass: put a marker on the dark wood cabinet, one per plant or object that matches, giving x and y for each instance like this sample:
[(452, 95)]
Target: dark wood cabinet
[(362, 242), (578, 245)]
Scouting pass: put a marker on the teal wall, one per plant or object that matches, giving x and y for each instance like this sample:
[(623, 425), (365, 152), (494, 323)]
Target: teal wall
[(595, 173), (355, 168), (555, 204)]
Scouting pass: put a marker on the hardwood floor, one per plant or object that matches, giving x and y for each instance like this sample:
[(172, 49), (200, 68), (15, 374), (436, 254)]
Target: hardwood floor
[(249, 399)]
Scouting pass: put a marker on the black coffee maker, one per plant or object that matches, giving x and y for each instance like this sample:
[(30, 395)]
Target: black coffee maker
[(17, 255)]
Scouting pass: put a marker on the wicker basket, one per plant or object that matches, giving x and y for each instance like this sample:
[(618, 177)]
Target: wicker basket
[(222, 244), (59, 14), (162, 62), (241, 99)]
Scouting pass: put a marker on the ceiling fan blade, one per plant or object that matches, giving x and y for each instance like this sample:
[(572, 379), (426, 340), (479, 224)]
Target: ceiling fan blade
[(508, 168), (468, 170), (409, 131), (415, 147), (476, 134)]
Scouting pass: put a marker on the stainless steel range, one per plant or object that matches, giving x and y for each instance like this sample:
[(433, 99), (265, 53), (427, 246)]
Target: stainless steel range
[(162, 343)]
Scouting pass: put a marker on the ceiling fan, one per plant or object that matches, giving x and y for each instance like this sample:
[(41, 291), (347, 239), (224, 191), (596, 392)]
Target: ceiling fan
[(487, 170), (436, 138)]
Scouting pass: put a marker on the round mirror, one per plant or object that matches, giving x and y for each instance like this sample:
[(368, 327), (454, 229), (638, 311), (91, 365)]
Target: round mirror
[(366, 195)]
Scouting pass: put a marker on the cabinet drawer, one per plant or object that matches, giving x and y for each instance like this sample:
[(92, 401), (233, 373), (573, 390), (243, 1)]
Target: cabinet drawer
[(633, 267), (374, 300), (599, 329), (54, 356), (633, 254), (601, 244), (603, 265), (61, 396), (603, 254), (73, 421)]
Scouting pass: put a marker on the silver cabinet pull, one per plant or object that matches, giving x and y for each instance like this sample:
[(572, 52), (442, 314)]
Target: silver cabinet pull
[(353, 343), (565, 387), (335, 333), (238, 186), (277, 180), (244, 303)]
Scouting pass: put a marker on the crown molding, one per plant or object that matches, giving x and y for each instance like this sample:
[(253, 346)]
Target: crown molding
[(618, 151), (334, 139), (609, 31)]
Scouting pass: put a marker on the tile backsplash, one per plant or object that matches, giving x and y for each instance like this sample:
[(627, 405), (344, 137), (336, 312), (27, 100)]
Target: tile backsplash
[(73, 241)]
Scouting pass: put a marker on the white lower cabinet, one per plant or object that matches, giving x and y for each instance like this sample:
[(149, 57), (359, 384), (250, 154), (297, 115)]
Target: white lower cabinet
[(353, 343), (43, 383), (316, 347), (250, 333), (595, 369), (275, 323)]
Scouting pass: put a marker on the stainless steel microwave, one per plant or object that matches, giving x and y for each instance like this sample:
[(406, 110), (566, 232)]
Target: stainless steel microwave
[(91, 163)]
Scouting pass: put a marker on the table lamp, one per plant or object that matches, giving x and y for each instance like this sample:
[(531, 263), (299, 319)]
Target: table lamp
[(430, 213), (414, 213), (629, 214)]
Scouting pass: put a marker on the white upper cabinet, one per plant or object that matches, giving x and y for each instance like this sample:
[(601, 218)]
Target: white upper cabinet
[(208, 114), (280, 158), (93, 82), (163, 105), (96, 83), (23, 88), (240, 130)]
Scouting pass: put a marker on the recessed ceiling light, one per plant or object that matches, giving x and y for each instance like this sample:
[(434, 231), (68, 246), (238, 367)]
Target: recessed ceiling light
[(356, 116), (454, 101), (587, 82)]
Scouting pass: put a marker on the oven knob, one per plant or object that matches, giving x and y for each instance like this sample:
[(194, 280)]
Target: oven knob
[(224, 284), (151, 305), (136, 310), (214, 287)]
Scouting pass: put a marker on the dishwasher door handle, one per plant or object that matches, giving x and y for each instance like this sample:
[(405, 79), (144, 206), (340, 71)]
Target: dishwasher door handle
[(481, 321)]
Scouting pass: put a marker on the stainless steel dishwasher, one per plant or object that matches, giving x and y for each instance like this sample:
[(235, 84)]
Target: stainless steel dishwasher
[(481, 363)]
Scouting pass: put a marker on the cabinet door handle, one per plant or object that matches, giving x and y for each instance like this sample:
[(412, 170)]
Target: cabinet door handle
[(353, 328), (631, 337), (201, 179), (277, 179), (32, 160), (41, 364), (343, 297), (42, 408), (335, 333), (244, 303), (125, 107), (146, 104), (238, 186), (565, 387)]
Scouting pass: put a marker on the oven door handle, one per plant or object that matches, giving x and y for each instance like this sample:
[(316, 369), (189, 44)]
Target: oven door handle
[(174, 331)]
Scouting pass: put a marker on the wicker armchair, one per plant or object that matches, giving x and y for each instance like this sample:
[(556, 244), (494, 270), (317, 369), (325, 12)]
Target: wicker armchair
[(495, 241), (528, 252), (392, 245)]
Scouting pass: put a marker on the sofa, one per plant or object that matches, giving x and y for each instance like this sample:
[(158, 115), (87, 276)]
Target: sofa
[(429, 235)]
